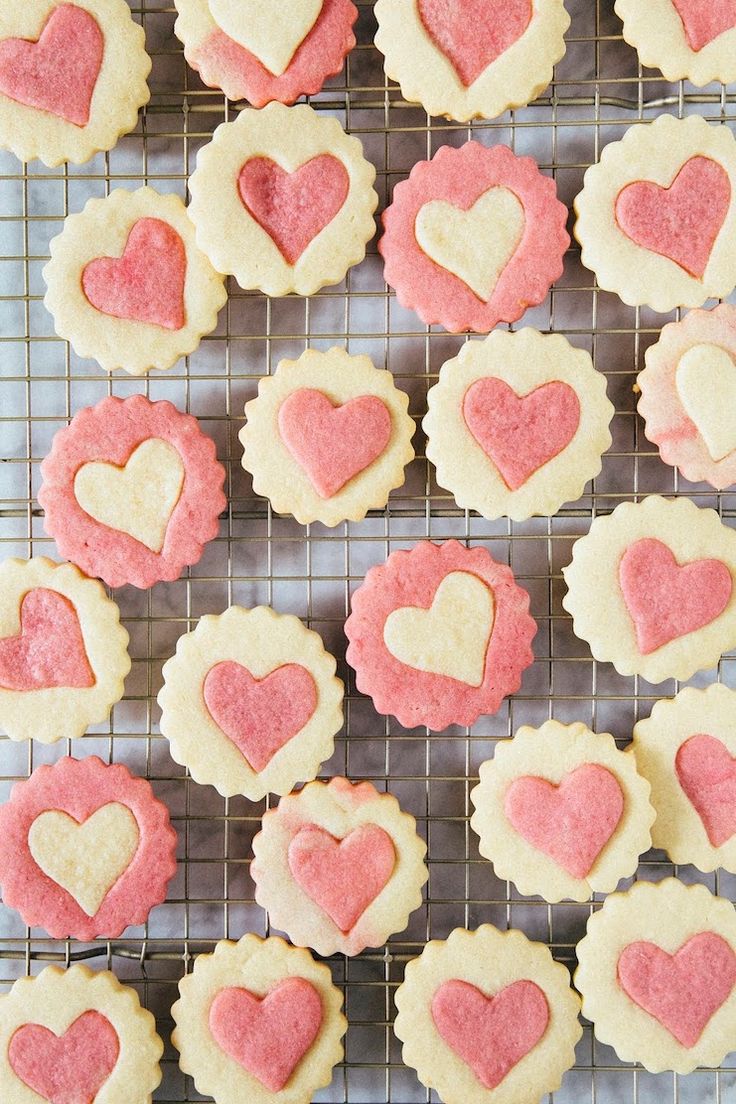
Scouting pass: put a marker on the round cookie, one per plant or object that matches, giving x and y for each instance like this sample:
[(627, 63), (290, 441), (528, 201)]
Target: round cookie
[(561, 812), (650, 588), (657, 971), (76, 1035), (338, 866), (487, 1017), (328, 437), (685, 40), (260, 1021), (283, 199), (63, 652), (250, 703), (467, 60), (656, 218), (439, 634), (127, 285), (517, 424), (473, 237), (132, 491), (89, 849)]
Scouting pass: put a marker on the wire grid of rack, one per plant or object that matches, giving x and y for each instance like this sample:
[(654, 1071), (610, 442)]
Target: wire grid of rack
[(598, 91)]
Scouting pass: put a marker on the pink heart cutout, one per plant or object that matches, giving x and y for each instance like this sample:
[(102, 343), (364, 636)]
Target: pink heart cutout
[(259, 715), (473, 33), (49, 650), (69, 1068), (521, 434), (666, 600), (293, 208), (571, 822), (333, 443), (683, 221), (59, 71), (682, 991), (706, 770), (490, 1034), (705, 20), (268, 1036), (342, 876), (146, 284)]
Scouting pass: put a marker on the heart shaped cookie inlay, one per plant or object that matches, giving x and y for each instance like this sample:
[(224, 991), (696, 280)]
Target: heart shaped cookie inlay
[(705, 20), (49, 649), (69, 1068), (706, 383), (472, 34), (706, 770), (271, 30)]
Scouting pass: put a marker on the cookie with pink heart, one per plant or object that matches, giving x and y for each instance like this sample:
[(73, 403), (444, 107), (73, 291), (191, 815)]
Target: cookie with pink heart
[(471, 58), (328, 437), (90, 849), (76, 1035), (473, 237), (257, 1019), (692, 40), (657, 974), (72, 78), (656, 219), (283, 199), (132, 491), (486, 1015), (127, 284), (338, 866), (439, 634), (250, 703)]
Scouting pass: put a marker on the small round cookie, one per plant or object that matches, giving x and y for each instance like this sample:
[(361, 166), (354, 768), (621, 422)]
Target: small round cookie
[(250, 703), (338, 866), (656, 218), (517, 424), (260, 1021), (63, 652), (72, 77), (686, 40), (263, 50), (650, 588), (688, 395), (439, 634), (127, 284), (328, 437), (473, 237), (132, 491), (283, 199), (657, 971), (488, 1017), (76, 1036), (561, 812), (468, 60), (89, 849)]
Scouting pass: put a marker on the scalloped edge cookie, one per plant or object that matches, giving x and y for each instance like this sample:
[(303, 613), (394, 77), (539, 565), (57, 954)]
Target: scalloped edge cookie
[(658, 35)]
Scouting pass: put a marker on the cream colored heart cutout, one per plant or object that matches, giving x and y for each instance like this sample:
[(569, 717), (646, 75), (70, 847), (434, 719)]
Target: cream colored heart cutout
[(474, 245), (272, 30), (706, 383), (451, 637), (138, 499), (85, 859)]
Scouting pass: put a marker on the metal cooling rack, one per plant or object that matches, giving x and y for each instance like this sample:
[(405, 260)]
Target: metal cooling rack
[(598, 92)]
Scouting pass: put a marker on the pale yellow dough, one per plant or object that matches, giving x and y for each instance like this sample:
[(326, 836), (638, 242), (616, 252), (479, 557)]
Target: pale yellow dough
[(269, 29), (657, 33)]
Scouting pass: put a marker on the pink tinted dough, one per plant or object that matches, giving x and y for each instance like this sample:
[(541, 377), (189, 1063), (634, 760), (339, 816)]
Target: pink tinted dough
[(342, 876), (58, 73), (682, 991), (69, 1068), (268, 1036), (146, 284), (259, 715), (473, 33), (521, 434), (49, 650), (293, 208), (706, 770), (666, 600), (681, 222), (490, 1034), (705, 20), (571, 822), (333, 443)]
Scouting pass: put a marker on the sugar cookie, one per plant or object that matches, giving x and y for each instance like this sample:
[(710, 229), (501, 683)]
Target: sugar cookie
[(691, 40)]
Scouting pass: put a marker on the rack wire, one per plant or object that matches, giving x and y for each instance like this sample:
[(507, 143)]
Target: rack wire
[(599, 90)]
